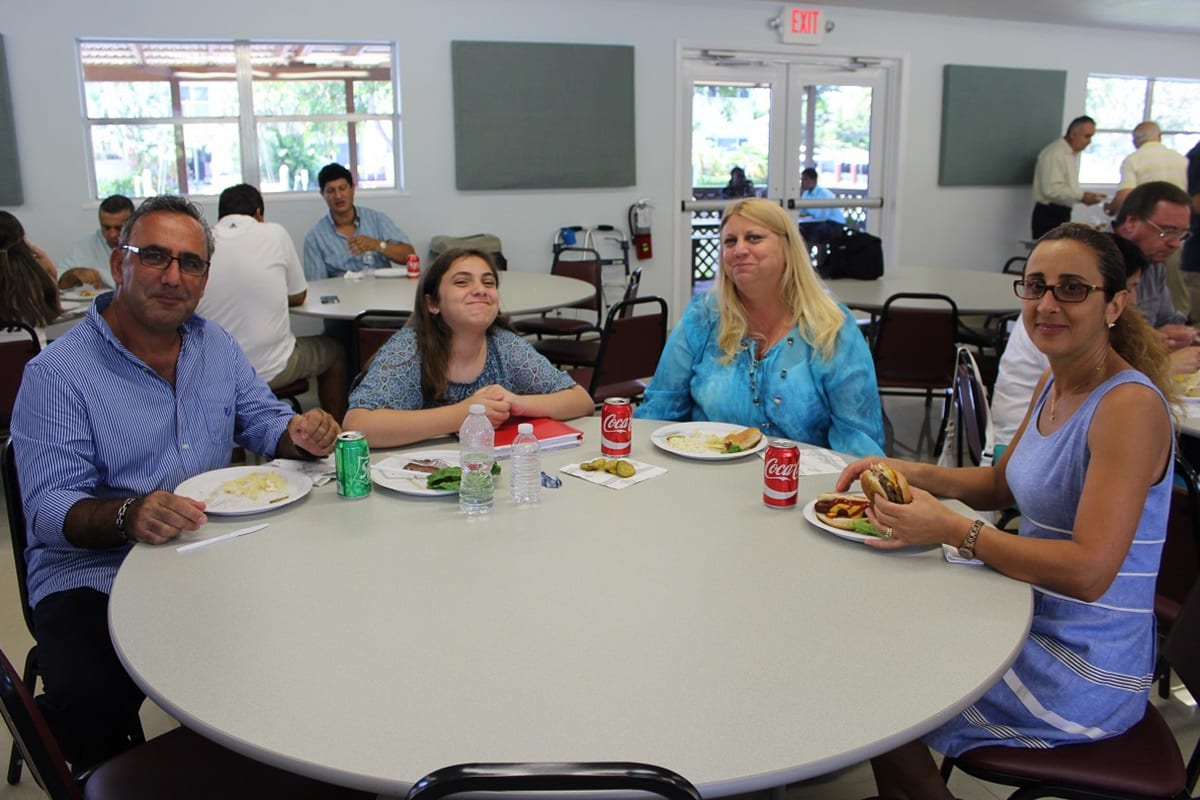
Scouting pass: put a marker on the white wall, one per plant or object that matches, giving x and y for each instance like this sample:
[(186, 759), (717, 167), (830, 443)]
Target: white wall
[(944, 227)]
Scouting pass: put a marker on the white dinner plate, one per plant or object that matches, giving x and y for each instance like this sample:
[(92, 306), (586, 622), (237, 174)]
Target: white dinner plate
[(208, 488), (391, 474), (659, 439), (85, 293), (810, 514)]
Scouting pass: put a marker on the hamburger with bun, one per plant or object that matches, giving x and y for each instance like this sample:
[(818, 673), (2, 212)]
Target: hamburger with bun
[(881, 480), (741, 441)]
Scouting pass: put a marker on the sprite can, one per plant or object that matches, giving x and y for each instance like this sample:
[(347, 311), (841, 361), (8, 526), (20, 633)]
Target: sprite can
[(352, 455)]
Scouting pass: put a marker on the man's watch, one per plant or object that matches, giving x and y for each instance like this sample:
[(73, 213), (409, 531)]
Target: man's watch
[(967, 548), (382, 245)]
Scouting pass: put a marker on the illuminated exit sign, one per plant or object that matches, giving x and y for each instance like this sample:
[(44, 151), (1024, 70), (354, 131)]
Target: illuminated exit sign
[(802, 25)]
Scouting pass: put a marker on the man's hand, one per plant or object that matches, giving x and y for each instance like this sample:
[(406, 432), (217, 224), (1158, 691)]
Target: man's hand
[(1178, 336), (1185, 361), (1091, 198), (161, 516), (314, 431), (362, 244)]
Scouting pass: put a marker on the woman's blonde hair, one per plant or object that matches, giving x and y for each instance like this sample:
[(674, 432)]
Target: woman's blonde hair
[(819, 318)]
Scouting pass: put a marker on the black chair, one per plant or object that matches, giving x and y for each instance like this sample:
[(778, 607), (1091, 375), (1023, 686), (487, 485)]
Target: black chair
[(581, 263), (564, 351), (915, 348), (178, 765), (608, 776), (1179, 569), (971, 415), (1015, 265), (1142, 763), (629, 350), (369, 331), (14, 355)]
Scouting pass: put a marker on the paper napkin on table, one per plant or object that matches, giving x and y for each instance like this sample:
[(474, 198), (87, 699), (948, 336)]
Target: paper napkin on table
[(322, 471), (951, 554), (817, 461), (644, 473)]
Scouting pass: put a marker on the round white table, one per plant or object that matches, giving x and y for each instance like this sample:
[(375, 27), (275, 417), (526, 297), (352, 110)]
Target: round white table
[(520, 293), (974, 292), (678, 622)]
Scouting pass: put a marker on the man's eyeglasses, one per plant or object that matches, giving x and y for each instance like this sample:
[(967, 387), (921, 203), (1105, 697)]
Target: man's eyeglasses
[(1065, 292), (1170, 233), (158, 258)]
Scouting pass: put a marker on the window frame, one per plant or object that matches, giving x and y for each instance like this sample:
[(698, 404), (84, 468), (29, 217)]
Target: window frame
[(1088, 157)]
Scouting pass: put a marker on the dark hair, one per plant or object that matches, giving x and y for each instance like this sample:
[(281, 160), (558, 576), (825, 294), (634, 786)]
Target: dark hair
[(808, 172), (433, 334), (1131, 336), (333, 172), (27, 292), (115, 204), (169, 204), (1135, 259), (240, 199), (1084, 120), (1140, 202)]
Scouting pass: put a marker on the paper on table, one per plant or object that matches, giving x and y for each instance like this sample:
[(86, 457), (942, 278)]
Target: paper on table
[(817, 461), (644, 473), (322, 471), (951, 554), (223, 537)]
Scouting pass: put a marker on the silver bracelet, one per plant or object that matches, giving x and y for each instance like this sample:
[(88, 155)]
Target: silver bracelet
[(121, 518)]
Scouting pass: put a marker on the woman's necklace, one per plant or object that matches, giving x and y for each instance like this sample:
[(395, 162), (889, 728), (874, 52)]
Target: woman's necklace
[(1082, 385), (753, 354)]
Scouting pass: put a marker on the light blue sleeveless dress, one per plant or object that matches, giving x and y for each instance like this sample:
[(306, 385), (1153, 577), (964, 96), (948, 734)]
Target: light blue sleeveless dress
[(1086, 669)]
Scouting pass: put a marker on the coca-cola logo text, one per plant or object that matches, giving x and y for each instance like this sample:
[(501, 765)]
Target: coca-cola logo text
[(615, 424), (774, 468)]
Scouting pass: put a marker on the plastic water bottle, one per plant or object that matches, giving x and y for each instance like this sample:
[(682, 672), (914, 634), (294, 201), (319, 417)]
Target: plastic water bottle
[(476, 448), (525, 476), (368, 264)]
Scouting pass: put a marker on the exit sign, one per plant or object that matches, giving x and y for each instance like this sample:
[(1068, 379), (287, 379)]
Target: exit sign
[(802, 25)]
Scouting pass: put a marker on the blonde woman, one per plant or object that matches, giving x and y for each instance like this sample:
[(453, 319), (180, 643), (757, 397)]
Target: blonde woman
[(767, 347)]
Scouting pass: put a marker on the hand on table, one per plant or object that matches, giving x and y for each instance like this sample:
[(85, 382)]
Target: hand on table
[(161, 516), (1178, 336), (1186, 360), (314, 431)]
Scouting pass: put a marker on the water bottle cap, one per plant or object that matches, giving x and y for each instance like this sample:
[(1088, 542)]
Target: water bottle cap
[(525, 428), (477, 408)]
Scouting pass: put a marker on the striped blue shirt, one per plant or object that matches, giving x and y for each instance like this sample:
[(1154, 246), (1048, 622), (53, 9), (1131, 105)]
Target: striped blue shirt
[(327, 253), (92, 420)]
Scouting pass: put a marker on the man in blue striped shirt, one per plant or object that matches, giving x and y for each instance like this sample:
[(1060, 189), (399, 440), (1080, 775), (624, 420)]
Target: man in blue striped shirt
[(350, 237), (136, 398)]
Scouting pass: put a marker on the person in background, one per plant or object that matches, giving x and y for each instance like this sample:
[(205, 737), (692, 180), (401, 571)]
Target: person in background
[(349, 235), (139, 396), (1190, 261), (739, 185), (87, 261), (1091, 468), (457, 350), (767, 347), (819, 226), (255, 277), (27, 290), (1056, 178)]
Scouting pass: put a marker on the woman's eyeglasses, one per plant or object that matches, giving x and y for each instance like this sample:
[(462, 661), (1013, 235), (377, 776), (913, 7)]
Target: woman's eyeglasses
[(1065, 292), (158, 258)]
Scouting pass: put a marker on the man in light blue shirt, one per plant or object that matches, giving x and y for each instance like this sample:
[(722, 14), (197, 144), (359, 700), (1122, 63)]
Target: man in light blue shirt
[(87, 261), (350, 237), (820, 226), (139, 396)]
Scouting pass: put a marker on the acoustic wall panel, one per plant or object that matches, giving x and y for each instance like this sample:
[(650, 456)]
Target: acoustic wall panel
[(11, 193)]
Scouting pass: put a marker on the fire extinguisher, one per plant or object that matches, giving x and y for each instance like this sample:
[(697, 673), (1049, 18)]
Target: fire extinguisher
[(639, 227)]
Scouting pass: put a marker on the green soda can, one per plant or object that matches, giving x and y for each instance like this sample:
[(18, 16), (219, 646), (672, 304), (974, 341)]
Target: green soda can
[(352, 455)]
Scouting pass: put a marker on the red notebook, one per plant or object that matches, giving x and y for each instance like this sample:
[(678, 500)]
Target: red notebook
[(551, 434)]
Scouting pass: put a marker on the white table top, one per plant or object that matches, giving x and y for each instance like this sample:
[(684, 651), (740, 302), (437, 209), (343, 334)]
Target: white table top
[(678, 622), (974, 292), (520, 293)]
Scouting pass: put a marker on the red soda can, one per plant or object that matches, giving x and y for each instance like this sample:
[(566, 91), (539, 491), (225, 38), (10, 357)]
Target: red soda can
[(616, 431), (781, 474), (414, 266)]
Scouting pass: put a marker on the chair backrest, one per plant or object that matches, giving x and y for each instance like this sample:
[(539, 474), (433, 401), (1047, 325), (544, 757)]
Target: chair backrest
[(915, 342), (973, 416), (631, 290), (631, 343), (16, 526), (1180, 564), (1015, 265), (369, 331), (32, 736), (581, 263), (606, 776), (1182, 651), (14, 355)]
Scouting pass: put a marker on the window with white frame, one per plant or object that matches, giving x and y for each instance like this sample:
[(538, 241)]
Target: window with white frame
[(193, 117), (1118, 103)]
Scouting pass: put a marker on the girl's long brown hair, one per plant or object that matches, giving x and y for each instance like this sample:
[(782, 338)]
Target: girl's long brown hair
[(27, 292)]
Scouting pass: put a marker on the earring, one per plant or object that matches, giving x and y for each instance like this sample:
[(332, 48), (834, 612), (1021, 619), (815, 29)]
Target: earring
[(1112, 324)]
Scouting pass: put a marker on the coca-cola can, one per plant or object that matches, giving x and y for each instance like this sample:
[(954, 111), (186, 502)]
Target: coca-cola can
[(781, 474), (414, 266), (616, 430)]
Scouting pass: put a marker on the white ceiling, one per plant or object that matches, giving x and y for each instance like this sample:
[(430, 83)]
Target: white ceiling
[(1173, 16)]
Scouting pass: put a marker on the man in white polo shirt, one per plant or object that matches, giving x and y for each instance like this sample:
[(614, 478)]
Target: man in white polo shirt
[(256, 275)]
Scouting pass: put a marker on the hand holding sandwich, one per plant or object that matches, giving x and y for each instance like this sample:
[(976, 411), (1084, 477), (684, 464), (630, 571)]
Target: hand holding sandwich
[(906, 515)]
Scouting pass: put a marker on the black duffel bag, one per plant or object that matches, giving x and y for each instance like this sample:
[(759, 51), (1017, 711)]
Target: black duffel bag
[(854, 254)]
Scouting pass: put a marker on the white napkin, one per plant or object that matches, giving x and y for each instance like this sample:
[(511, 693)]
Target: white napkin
[(816, 461), (951, 554), (644, 473), (322, 471)]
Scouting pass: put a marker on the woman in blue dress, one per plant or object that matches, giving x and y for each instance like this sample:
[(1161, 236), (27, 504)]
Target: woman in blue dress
[(457, 350), (1091, 468), (767, 347)]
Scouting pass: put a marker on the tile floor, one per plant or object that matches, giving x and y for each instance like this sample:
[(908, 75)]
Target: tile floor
[(912, 439)]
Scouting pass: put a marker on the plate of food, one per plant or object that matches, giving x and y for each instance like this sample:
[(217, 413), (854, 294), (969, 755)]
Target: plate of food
[(81, 293), (234, 491), (844, 514), (1188, 386), (708, 441), (430, 473)]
